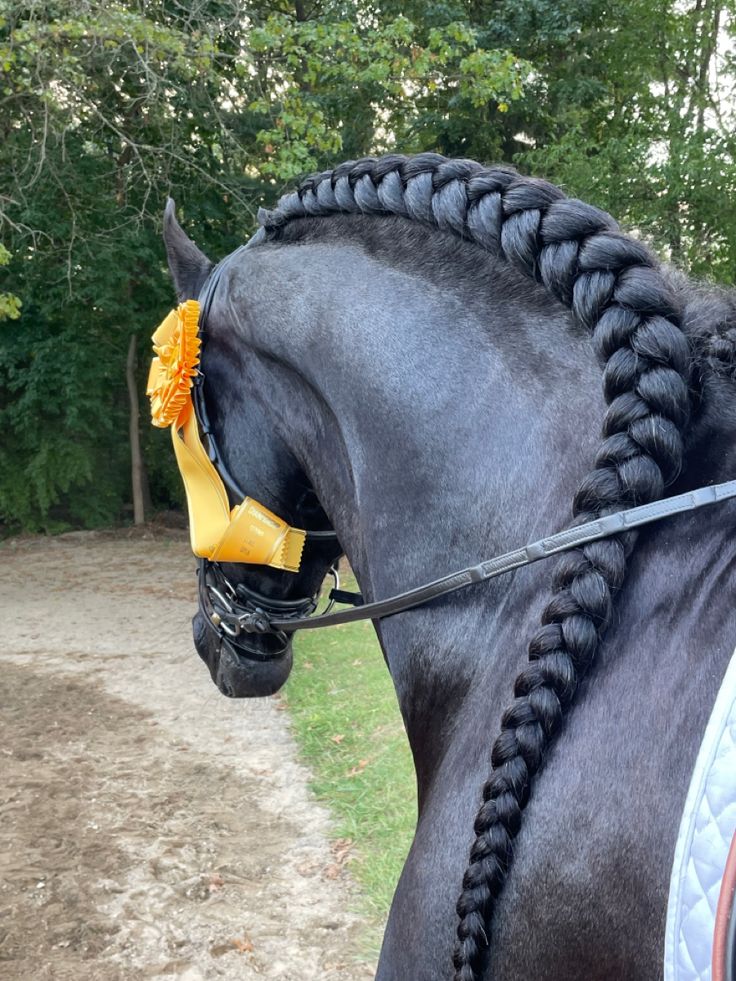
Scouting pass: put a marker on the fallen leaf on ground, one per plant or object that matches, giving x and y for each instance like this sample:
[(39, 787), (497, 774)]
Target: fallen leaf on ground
[(338, 738), (358, 768), (307, 868), (341, 849)]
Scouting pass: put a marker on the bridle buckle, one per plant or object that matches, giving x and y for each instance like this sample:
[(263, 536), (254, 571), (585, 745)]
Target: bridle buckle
[(255, 622), (234, 612)]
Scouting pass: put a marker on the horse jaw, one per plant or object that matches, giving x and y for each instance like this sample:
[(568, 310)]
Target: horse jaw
[(189, 266)]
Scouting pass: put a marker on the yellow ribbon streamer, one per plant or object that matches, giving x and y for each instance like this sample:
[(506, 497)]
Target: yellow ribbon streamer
[(248, 533)]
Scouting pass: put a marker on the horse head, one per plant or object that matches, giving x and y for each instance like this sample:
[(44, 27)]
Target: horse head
[(245, 419)]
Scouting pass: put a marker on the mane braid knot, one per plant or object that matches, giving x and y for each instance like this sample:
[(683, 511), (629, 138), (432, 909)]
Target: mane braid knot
[(614, 288)]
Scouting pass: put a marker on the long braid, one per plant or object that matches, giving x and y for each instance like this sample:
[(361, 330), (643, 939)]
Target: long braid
[(614, 288)]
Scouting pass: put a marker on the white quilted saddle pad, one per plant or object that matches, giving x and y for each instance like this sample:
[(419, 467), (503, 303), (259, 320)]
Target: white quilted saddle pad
[(706, 830)]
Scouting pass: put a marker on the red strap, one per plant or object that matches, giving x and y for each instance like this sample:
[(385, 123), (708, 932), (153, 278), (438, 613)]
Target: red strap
[(724, 912)]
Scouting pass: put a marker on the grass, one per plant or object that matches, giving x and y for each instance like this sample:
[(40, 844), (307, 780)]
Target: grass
[(346, 720)]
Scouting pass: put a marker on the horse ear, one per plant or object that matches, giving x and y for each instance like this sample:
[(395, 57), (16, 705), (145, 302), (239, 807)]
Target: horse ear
[(188, 266)]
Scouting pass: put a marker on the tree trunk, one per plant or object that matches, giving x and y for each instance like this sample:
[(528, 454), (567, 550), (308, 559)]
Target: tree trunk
[(136, 459)]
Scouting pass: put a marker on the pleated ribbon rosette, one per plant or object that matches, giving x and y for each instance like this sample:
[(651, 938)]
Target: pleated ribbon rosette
[(248, 532)]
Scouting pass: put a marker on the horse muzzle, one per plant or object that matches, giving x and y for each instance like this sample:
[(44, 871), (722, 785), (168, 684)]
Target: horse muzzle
[(251, 667)]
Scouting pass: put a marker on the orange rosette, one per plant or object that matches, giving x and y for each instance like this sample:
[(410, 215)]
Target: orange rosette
[(176, 344)]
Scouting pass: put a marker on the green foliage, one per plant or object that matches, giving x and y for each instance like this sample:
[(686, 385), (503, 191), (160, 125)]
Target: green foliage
[(328, 74), (631, 107), (41, 467), (109, 107), (9, 304)]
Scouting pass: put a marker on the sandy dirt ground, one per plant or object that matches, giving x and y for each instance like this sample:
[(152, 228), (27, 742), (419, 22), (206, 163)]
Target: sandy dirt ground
[(150, 827)]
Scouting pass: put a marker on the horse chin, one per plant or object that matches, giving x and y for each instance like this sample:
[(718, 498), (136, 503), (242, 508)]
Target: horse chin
[(237, 676)]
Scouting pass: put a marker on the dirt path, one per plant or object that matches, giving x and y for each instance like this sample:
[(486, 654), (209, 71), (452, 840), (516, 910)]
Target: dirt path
[(149, 826)]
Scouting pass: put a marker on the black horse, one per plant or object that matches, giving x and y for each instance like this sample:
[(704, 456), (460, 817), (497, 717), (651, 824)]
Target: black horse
[(404, 352)]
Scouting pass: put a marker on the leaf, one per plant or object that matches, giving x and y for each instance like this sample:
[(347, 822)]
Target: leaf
[(357, 769)]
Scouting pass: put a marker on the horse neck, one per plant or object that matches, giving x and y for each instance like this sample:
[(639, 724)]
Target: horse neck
[(439, 427)]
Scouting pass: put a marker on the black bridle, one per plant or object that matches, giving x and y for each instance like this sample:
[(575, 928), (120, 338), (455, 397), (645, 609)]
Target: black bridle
[(236, 613), (233, 612)]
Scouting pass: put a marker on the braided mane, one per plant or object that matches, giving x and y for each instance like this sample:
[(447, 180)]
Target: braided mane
[(615, 288)]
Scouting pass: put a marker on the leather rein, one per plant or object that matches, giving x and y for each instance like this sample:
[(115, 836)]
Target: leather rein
[(237, 612)]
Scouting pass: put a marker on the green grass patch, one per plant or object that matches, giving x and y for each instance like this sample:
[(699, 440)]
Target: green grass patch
[(347, 722)]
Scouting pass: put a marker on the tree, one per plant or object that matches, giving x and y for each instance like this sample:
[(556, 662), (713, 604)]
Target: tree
[(9, 303), (331, 88), (109, 107), (631, 106)]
